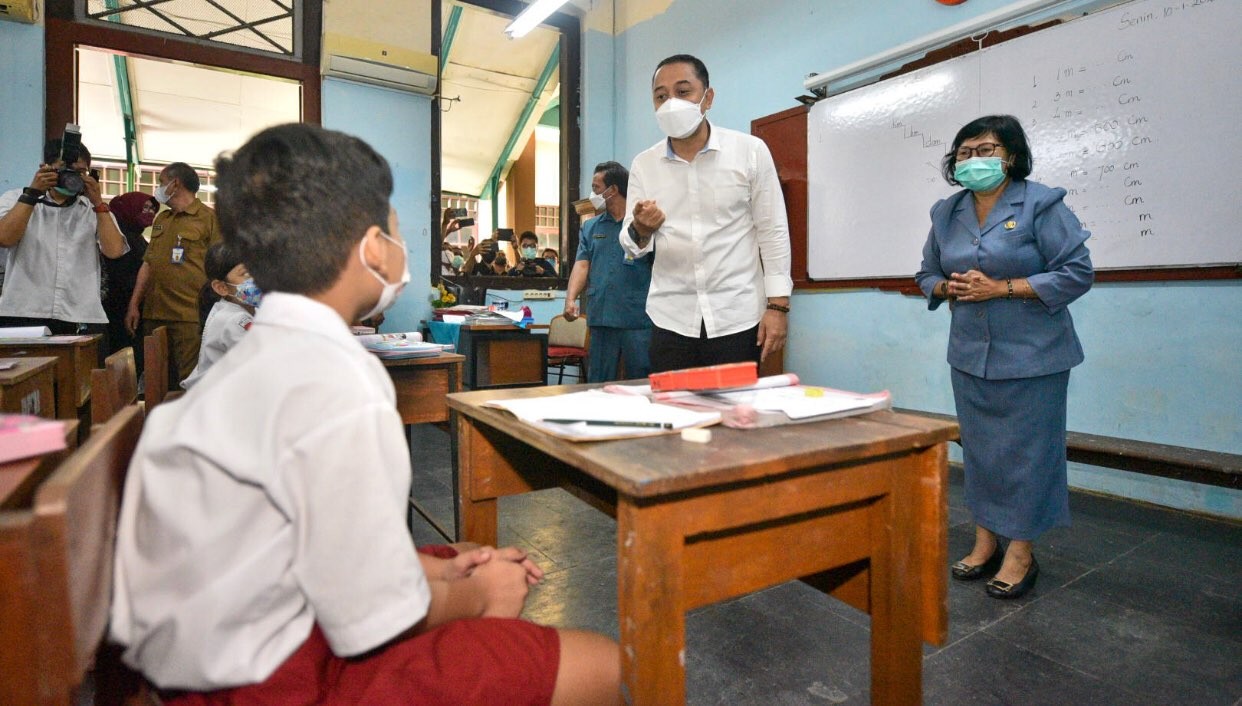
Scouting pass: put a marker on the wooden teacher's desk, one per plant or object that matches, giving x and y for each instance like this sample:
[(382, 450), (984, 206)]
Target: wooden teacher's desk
[(856, 507), (75, 357)]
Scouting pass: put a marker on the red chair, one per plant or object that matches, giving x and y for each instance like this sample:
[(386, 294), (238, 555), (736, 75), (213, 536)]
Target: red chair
[(568, 343)]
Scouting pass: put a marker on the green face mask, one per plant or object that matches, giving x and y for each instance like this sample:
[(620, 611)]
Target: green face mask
[(980, 173)]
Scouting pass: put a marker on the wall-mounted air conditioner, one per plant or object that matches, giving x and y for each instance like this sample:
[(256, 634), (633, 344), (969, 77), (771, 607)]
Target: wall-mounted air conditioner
[(19, 10), (359, 60)]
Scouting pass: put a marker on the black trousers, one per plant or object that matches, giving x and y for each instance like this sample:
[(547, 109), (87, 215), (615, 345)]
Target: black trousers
[(672, 351), (58, 327)]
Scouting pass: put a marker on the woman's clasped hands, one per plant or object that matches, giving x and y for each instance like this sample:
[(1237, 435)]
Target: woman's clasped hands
[(974, 286)]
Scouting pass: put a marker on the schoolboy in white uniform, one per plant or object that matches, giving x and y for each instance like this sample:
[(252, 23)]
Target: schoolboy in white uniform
[(262, 538)]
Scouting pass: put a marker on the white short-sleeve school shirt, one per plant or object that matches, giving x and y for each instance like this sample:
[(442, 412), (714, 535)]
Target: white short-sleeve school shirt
[(270, 498), (226, 323)]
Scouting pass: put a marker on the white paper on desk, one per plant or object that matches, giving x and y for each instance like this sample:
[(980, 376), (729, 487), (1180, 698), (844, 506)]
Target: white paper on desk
[(368, 339), (600, 406), (8, 364), (25, 332), (454, 318), (796, 402)]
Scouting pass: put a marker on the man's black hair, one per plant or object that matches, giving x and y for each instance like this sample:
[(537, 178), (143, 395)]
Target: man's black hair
[(183, 173), (1008, 133), (700, 69), (51, 152), (295, 234), (614, 175), (528, 235)]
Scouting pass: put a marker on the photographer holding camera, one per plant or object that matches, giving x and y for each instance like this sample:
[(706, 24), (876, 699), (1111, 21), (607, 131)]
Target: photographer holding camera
[(530, 264), (54, 230)]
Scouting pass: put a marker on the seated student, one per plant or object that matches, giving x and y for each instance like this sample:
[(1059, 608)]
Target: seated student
[(225, 306), (262, 553)]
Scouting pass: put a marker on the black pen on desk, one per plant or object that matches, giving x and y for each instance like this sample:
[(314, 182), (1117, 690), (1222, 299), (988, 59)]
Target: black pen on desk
[(611, 423)]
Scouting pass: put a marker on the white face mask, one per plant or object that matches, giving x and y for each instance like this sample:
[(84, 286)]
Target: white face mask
[(679, 118), (598, 201), (391, 289), (161, 194)]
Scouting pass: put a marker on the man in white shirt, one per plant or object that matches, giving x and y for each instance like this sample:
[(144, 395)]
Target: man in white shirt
[(54, 236), (262, 554), (708, 202)]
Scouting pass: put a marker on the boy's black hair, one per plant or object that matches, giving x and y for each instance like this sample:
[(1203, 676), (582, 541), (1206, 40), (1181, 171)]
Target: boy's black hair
[(700, 69), (51, 152), (220, 260), (185, 174), (614, 175), (296, 199), (1009, 133)]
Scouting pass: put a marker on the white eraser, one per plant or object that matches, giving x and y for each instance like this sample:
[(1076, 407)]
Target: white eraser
[(696, 434)]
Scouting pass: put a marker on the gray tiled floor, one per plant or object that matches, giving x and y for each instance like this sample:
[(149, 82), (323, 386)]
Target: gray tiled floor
[(1134, 605)]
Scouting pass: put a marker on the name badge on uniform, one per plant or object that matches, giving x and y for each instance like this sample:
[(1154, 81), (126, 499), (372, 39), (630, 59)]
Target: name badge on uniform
[(1010, 225), (629, 260), (178, 253)]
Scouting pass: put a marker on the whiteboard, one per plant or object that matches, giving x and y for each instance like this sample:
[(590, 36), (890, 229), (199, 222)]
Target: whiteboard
[(1132, 110)]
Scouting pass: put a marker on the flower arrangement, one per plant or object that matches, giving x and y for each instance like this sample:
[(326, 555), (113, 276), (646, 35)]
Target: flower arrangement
[(442, 298)]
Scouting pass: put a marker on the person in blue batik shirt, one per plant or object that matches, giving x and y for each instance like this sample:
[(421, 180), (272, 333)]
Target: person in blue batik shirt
[(1009, 256), (616, 284)]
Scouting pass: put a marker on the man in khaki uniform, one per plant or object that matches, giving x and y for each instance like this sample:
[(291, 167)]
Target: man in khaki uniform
[(172, 273)]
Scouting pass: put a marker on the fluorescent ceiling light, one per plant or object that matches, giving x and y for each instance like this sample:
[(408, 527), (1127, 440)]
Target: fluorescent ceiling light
[(530, 18)]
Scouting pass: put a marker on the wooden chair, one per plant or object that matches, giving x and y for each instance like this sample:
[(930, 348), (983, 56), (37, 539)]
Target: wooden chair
[(155, 367), (114, 386), (568, 343), (56, 588)]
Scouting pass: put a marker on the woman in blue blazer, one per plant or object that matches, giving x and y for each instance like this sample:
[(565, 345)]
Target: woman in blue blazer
[(1009, 256)]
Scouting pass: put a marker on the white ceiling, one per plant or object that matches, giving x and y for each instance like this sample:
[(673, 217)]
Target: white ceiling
[(494, 76), (184, 113)]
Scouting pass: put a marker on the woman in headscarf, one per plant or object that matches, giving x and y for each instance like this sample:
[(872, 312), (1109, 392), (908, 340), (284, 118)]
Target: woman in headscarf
[(134, 213)]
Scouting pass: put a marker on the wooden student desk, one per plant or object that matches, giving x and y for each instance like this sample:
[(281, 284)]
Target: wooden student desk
[(29, 387), (75, 357), (421, 385), (856, 507)]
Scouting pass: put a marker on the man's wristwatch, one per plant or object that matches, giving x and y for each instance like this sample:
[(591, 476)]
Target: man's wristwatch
[(778, 307)]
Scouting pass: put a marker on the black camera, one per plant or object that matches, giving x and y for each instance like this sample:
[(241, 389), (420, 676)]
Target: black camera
[(67, 178)]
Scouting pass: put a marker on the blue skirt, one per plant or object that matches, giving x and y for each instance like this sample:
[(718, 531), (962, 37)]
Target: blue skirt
[(1013, 445)]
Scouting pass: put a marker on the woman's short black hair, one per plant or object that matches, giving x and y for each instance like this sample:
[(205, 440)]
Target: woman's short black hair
[(1008, 132), (614, 175), (295, 200)]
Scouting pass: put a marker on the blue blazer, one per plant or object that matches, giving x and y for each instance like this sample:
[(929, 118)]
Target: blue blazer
[(1030, 233)]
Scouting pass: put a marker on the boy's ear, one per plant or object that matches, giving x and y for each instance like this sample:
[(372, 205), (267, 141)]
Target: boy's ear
[(222, 289), (374, 249)]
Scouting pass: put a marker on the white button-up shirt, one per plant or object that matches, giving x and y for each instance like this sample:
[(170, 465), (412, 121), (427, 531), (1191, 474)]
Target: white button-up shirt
[(724, 246), (53, 271), (270, 498)]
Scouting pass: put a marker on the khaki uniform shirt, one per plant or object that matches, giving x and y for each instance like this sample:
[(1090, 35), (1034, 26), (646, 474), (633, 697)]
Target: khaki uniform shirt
[(174, 287)]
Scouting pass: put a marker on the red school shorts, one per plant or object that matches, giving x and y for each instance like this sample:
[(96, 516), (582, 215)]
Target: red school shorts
[(472, 661)]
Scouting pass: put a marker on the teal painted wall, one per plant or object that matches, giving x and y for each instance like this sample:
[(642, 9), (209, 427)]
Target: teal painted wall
[(21, 104), (1164, 360), (398, 126)]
